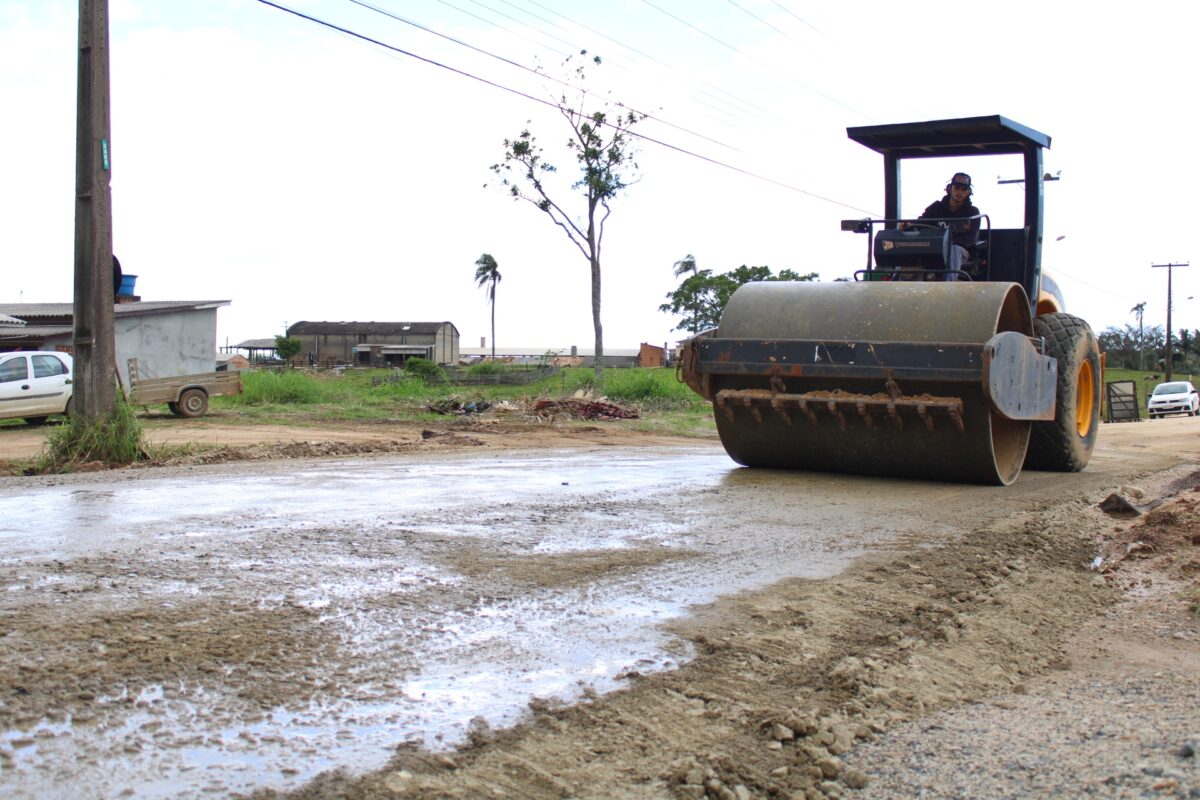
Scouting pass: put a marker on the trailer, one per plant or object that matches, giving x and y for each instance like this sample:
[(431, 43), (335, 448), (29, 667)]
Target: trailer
[(186, 395)]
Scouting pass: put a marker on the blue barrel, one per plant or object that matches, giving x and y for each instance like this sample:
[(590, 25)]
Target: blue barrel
[(127, 282)]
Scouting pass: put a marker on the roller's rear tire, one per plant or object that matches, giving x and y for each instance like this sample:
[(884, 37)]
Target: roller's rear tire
[(1066, 443)]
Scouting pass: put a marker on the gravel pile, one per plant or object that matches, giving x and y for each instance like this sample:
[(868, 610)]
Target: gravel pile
[(1134, 737), (1118, 718)]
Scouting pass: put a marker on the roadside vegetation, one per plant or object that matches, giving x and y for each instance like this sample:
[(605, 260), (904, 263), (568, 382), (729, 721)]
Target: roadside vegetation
[(423, 395), (362, 395), (115, 440)]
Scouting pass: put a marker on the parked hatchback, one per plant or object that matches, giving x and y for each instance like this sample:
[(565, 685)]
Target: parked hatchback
[(34, 385), (1175, 397)]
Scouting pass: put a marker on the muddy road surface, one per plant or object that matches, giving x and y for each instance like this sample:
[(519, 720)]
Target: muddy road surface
[(462, 622)]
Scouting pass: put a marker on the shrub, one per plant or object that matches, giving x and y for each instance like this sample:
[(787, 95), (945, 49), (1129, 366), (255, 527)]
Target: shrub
[(424, 369), (115, 440)]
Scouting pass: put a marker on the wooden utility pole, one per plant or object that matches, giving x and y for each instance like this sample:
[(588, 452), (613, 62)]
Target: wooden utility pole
[(95, 346), (1170, 269)]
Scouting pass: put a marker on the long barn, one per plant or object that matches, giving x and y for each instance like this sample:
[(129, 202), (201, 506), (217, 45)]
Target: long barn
[(375, 344)]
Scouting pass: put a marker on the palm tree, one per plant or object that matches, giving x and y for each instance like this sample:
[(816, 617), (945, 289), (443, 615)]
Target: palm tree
[(1140, 309), (685, 265), (487, 273), (682, 267)]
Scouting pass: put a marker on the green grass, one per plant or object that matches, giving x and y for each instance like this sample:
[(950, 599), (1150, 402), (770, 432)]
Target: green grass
[(651, 387), (486, 368), (114, 440), (295, 397), (286, 387), (302, 399)]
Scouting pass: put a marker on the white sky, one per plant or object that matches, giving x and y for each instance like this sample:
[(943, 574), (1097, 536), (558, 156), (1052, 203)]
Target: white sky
[(306, 175)]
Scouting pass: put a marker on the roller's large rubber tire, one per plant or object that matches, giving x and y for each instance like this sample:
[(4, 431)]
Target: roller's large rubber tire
[(192, 403), (1065, 444)]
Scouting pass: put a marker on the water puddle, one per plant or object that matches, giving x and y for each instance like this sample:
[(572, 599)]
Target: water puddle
[(456, 588)]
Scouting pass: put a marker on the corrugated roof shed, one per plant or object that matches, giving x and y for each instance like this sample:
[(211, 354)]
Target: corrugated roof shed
[(60, 312), (307, 328)]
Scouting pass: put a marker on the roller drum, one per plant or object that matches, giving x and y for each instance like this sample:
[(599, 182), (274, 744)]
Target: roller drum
[(989, 449)]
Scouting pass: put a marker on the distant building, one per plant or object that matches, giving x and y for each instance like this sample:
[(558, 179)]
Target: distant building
[(559, 356), (374, 344), (256, 349), (168, 337), (232, 362), (650, 355)]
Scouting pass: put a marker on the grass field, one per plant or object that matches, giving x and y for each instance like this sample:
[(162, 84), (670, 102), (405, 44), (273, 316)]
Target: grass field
[(291, 396)]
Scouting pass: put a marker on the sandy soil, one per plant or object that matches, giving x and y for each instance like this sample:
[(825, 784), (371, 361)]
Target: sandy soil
[(794, 685), (215, 439), (791, 686)]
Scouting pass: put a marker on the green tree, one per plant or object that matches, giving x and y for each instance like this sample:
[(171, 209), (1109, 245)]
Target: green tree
[(702, 296), (684, 267), (487, 275), (287, 346), (600, 143)]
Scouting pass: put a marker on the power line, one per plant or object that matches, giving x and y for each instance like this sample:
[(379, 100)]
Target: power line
[(658, 61), (556, 106), (494, 25), (801, 19), (761, 63), (750, 13), (527, 25), (531, 70), (598, 33)]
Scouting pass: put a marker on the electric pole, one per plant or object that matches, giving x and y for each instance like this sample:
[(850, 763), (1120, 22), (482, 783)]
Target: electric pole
[(1170, 268), (95, 347)]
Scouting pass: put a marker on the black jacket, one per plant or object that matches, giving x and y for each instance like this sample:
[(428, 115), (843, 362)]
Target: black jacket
[(964, 233)]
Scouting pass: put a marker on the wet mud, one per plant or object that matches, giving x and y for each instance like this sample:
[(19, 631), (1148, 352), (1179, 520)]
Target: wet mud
[(248, 627)]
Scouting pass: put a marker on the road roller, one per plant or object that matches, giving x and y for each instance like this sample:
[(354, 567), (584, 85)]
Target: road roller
[(924, 365)]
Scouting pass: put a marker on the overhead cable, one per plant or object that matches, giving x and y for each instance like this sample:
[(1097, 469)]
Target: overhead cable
[(531, 70), (556, 106), (761, 63)]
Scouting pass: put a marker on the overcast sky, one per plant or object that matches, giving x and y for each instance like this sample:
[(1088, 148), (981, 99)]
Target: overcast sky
[(305, 174)]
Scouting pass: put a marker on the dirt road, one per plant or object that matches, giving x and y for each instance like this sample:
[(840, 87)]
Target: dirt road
[(214, 629)]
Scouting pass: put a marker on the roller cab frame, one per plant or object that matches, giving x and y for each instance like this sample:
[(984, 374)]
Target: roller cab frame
[(912, 369)]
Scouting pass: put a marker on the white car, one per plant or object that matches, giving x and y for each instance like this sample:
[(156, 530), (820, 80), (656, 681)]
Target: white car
[(1176, 397), (34, 385)]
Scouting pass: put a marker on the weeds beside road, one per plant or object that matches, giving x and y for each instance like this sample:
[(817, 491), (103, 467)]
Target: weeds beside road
[(372, 398)]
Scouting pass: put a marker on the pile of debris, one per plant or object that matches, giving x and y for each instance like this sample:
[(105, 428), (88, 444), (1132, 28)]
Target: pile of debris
[(456, 407), (582, 408)]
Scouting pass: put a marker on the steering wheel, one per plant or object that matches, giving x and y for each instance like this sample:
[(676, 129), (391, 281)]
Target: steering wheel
[(908, 226)]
